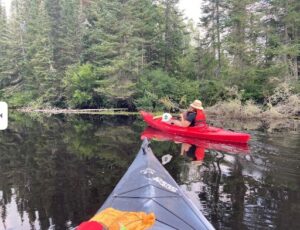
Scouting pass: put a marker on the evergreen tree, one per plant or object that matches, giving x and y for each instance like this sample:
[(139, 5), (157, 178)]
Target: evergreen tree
[(204, 59), (213, 21), (66, 24), (172, 32), (118, 42), (39, 49), (15, 66), (186, 62), (282, 37), (96, 53), (3, 45), (236, 38), (35, 66)]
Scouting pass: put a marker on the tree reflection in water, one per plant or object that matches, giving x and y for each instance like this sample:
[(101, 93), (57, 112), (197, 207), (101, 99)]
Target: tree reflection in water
[(58, 169), (260, 190)]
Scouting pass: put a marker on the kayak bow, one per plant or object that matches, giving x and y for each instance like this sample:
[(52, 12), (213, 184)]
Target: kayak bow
[(148, 187), (202, 132)]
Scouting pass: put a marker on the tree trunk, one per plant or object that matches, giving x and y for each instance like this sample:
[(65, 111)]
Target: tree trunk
[(218, 37), (167, 36)]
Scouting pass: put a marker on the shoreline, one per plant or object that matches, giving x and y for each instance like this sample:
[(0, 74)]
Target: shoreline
[(103, 111), (124, 111)]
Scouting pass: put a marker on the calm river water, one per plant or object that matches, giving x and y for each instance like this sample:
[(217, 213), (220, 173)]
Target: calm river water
[(56, 171)]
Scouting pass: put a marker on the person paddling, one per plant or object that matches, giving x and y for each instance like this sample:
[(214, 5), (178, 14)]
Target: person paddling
[(194, 116)]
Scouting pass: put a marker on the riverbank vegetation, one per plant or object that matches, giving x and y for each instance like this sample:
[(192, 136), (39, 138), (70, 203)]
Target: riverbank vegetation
[(137, 54), (283, 103)]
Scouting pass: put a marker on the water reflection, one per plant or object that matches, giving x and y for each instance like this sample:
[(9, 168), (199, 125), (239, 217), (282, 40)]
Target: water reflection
[(57, 171), (260, 190), (195, 153), (193, 147)]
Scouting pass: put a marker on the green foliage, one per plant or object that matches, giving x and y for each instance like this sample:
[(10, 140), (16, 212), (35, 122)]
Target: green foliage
[(80, 82), (156, 86), (3, 43), (187, 67), (212, 91), (80, 98), (254, 89), (21, 99), (296, 88), (80, 54), (151, 88), (66, 18), (172, 40)]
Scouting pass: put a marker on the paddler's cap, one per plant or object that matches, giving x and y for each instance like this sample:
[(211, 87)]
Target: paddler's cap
[(197, 104)]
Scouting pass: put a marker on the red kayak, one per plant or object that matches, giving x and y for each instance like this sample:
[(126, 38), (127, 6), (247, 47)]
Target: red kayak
[(204, 132), (155, 134)]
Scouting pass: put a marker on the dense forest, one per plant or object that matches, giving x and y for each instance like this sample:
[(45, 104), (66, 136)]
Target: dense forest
[(146, 54)]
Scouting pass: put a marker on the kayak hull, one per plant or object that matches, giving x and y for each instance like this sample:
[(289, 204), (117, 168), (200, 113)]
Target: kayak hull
[(238, 148), (148, 187), (204, 132)]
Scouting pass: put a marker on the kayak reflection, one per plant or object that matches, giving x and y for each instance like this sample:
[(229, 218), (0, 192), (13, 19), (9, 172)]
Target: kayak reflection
[(195, 148), (194, 152)]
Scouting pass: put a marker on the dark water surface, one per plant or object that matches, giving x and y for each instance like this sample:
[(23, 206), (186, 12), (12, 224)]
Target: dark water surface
[(55, 172)]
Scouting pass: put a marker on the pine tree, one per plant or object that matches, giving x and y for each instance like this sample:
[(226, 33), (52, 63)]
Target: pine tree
[(172, 31), (15, 70), (73, 24), (3, 45), (255, 34), (204, 59), (146, 28), (30, 67), (237, 25), (39, 49), (118, 42), (65, 17), (283, 38), (213, 22)]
